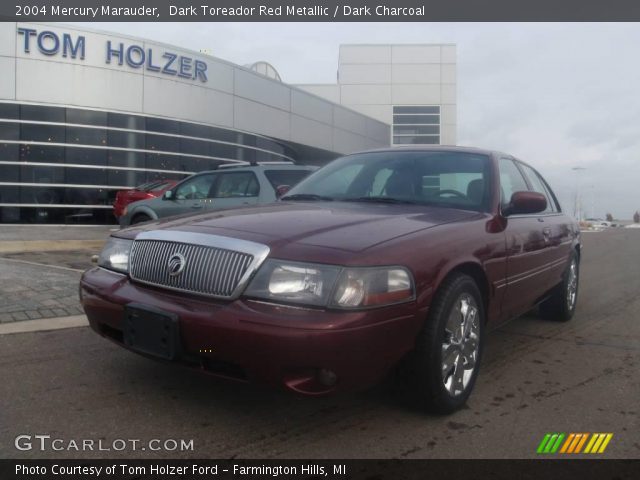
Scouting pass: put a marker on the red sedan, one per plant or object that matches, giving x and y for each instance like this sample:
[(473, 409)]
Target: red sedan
[(399, 257), (141, 192)]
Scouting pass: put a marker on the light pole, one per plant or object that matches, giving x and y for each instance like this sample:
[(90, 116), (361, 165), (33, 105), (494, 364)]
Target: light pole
[(577, 206)]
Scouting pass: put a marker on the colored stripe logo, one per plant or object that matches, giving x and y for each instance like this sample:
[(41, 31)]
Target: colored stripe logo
[(574, 443)]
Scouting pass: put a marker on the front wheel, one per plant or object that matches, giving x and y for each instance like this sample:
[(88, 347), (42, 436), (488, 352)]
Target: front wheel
[(561, 305), (446, 360), (140, 218)]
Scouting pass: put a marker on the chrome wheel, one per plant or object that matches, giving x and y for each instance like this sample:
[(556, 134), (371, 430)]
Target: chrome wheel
[(460, 344), (572, 285)]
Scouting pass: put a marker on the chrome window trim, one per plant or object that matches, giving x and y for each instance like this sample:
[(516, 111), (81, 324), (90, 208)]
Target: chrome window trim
[(63, 185), (52, 205), (120, 149), (144, 115), (416, 134), (533, 215), (259, 251), (146, 132), (117, 112), (94, 167)]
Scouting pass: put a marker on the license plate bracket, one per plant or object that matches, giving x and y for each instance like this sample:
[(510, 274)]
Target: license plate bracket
[(151, 331)]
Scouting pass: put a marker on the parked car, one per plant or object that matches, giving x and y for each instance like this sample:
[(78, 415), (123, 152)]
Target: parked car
[(599, 223), (229, 186), (141, 192), (399, 258)]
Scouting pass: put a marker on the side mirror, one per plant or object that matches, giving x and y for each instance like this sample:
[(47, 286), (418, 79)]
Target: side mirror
[(526, 202), (282, 190), (168, 195)]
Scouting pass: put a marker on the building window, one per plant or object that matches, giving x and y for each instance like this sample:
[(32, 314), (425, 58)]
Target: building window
[(416, 124), (65, 165)]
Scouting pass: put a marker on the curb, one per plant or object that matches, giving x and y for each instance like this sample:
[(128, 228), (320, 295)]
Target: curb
[(23, 246), (43, 324)]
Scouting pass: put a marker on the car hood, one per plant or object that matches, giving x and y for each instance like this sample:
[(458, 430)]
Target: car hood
[(347, 226)]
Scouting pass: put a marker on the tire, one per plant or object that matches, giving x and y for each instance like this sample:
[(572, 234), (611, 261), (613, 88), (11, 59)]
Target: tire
[(140, 218), (561, 305), (444, 365)]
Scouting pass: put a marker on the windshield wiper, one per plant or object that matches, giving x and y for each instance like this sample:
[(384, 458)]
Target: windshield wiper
[(379, 199), (307, 196)]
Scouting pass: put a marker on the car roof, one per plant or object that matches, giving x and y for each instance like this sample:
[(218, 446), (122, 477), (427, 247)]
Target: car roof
[(438, 148), (264, 166)]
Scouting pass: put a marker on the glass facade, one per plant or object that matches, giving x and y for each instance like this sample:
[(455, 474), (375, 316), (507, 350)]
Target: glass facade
[(65, 165), (416, 124)]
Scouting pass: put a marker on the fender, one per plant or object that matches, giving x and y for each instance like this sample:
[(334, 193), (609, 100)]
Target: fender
[(471, 262)]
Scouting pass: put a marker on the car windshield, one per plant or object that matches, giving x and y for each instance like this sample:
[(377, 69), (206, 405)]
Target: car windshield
[(442, 178), (279, 178)]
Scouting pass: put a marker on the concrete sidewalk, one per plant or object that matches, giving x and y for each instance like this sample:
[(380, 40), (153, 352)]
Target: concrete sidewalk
[(53, 233), (40, 267)]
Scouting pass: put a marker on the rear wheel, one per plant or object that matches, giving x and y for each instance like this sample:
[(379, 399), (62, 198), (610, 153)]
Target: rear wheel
[(561, 305), (445, 362)]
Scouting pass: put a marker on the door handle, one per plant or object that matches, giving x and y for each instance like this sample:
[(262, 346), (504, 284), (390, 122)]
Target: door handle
[(196, 205)]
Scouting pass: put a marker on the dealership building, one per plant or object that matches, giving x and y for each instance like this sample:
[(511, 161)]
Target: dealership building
[(86, 113)]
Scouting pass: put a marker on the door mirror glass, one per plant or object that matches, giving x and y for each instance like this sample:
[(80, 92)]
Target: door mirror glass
[(526, 202), (168, 195)]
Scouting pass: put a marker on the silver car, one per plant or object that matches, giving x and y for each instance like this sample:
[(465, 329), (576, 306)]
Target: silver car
[(229, 186)]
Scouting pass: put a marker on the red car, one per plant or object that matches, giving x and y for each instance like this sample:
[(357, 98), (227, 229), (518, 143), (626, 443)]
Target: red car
[(399, 257), (141, 192)]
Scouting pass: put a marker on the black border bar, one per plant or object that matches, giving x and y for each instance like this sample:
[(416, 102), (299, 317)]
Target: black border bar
[(322, 10), (533, 469)]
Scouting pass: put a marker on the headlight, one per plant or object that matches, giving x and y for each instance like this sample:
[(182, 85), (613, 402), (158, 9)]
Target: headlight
[(115, 254), (377, 286), (294, 282), (331, 286)]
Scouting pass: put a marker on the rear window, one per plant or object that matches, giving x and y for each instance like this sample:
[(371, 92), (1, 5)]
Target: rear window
[(158, 186), (279, 178), (145, 187)]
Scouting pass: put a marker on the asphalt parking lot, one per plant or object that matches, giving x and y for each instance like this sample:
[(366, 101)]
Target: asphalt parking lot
[(537, 377)]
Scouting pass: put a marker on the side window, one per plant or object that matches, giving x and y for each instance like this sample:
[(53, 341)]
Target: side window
[(550, 195), (538, 186), (195, 188), (237, 184), (511, 180)]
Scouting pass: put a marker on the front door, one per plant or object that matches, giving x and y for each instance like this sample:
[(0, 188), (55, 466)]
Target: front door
[(527, 272), (190, 196)]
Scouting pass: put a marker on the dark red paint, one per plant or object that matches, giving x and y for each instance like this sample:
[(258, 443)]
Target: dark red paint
[(515, 259)]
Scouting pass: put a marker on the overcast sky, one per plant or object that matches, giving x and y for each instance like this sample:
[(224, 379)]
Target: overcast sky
[(557, 95)]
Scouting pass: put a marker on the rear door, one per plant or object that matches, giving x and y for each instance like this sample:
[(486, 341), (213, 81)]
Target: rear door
[(556, 229), (527, 257), (234, 189)]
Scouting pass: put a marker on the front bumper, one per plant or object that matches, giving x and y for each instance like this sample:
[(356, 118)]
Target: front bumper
[(261, 342)]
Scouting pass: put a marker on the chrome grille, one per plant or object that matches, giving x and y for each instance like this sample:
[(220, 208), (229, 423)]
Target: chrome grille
[(208, 269)]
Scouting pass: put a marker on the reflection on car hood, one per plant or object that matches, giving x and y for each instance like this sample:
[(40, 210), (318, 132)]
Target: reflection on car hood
[(338, 225)]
